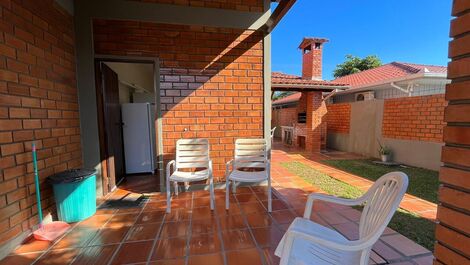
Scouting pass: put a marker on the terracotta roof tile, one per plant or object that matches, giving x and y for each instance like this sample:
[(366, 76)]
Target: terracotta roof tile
[(388, 71), (288, 99), (281, 78)]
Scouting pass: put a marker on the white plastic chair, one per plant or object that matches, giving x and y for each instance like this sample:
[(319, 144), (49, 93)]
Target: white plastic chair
[(250, 155), (307, 242), (272, 133), (191, 154)]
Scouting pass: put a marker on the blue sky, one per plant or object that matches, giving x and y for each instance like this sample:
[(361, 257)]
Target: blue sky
[(413, 31)]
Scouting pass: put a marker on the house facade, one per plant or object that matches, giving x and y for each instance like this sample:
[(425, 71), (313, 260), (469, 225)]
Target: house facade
[(400, 105), (211, 72)]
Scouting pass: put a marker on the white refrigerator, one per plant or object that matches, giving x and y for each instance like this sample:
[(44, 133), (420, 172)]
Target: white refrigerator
[(139, 137)]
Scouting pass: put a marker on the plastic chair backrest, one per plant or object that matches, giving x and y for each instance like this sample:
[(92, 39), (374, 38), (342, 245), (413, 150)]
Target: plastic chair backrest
[(192, 153)]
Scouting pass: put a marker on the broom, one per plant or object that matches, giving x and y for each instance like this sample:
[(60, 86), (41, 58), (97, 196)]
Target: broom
[(50, 231)]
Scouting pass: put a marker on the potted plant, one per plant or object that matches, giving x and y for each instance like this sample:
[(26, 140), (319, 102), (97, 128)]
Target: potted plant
[(385, 153)]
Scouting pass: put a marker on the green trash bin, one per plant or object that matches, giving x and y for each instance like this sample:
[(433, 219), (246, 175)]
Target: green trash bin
[(75, 194)]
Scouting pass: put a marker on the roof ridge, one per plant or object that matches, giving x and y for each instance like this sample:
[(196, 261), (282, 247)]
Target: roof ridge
[(406, 67), (422, 64)]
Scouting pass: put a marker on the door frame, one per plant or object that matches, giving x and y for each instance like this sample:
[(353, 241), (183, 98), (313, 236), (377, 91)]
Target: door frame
[(98, 59)]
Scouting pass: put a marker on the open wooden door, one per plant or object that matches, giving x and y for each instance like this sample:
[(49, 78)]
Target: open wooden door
[(111, 143)]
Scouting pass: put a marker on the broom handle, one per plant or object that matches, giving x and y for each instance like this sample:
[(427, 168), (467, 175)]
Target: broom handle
[(36, 180)]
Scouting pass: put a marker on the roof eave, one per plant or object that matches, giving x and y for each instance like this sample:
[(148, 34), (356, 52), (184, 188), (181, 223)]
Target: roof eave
[(304, 88), (388, 81)]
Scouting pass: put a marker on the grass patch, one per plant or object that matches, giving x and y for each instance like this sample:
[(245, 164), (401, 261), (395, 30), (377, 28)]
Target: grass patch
[(418, 229), (423, 183)]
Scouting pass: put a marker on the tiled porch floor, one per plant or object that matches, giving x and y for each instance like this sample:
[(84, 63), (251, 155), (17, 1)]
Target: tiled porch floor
[(192, 234)]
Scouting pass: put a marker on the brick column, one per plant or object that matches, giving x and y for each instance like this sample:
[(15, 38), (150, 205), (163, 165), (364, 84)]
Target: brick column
[(453, 213), (316, 111)]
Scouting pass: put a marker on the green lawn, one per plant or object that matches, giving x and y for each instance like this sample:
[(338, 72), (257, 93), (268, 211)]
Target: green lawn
[(408, 224), (423, 184)]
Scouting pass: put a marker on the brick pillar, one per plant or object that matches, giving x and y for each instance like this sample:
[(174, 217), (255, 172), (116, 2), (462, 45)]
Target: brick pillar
[(316, 111), (453, 213)]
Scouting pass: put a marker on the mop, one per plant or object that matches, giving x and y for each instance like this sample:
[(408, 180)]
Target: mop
[(50, 231)]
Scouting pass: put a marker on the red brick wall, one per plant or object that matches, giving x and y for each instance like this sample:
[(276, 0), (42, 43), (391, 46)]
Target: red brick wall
[(38, 98), (284, 117), (312, 64), (338, 117), (211, 79), (239, 5), (414, 118), (452, 241), (316, 127)]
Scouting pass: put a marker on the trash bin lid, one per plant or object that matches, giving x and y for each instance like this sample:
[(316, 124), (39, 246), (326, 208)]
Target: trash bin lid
[(71, 175)]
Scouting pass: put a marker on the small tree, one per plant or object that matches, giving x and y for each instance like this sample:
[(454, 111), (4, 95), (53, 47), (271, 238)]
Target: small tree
[(354, 64)]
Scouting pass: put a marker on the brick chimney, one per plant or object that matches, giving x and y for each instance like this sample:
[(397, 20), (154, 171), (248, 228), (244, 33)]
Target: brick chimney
[(312, 58)]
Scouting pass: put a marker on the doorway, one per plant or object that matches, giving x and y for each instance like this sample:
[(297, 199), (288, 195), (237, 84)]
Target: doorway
[(129, 120)]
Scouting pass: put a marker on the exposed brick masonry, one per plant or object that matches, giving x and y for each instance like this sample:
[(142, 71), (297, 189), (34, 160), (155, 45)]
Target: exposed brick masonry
[(414, 118), (239, 5), (38, 99), (452, 241), (211, 80)]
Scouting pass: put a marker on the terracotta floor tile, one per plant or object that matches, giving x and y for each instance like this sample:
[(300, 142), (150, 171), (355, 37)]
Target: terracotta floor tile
[(179, 261), (167, 248), (78, 237), (385, 251), (24, 259), (230, 222), (99, 255), (426, 260), (233, 209), (404, 245), (155, 206), (105, 211), (175, 229), (202, 213), (259, 220), (95, 221), (242, 190), (110, 235), (212, 259), (276, 205), (252, 207), (151, 217), (283, 216), (181, 203), (182, 195), (351, 214), (143, 232), (32, 245), (349, 230), (269, 256), (246, 197), (177, 215), (133, 252), (203, 226), (237, 239), (333, 217), (267, 236), (121, 220), (243, 257), (133, 210), (201, 202), (58, 257), (204, 244)]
